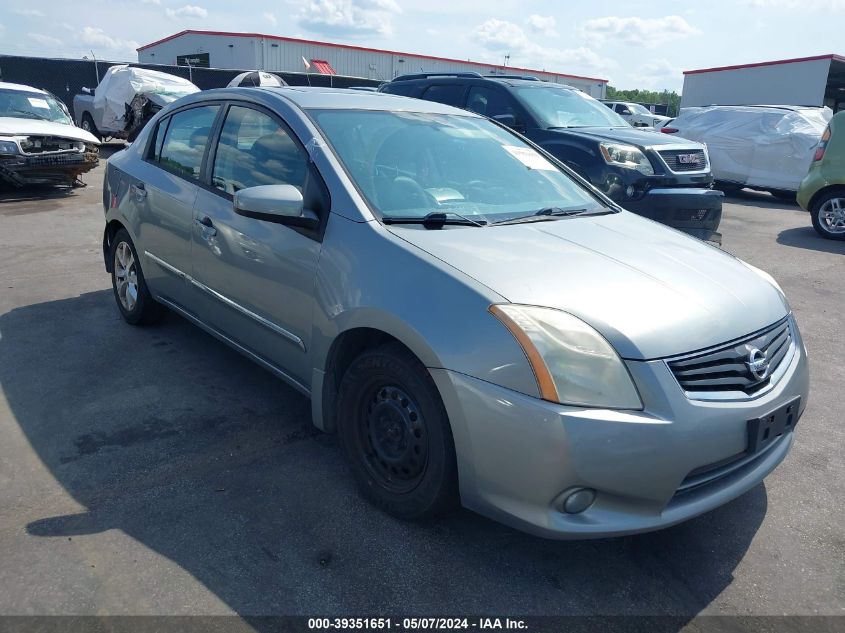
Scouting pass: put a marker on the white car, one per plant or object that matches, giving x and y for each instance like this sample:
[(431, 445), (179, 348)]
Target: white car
[(39, 144), (637, 115)]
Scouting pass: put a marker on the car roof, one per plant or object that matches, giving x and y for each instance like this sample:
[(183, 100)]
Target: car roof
[(21, 87), (463, 78), (341, 98)]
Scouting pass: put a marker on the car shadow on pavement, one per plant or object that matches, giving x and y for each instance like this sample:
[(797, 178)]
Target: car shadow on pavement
[(759, 199), (206, 459), (808, 238)]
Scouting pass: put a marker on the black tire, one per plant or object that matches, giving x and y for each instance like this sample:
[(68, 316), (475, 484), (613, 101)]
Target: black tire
[(396, 434), (88, 126), (786, 196), (144, 310), (816, 209), (728, 188)]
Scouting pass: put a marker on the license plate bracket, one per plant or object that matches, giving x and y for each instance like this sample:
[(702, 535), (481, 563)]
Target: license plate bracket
[(764, 430)]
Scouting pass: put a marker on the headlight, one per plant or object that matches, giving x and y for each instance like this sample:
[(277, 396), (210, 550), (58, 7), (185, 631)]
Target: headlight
[(626, 156), (573, 364), (8, 147)]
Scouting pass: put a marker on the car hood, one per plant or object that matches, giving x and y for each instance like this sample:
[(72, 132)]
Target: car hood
[(631, 135), (651, 291), (15, 126)]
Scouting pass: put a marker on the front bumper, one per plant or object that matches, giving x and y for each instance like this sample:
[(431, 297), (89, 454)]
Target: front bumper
[(518, 456), (691, 210), (46, 169)]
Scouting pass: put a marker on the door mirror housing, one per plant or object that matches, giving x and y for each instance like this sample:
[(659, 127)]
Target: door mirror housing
[(510, 121), (281, 204), (625, 112)]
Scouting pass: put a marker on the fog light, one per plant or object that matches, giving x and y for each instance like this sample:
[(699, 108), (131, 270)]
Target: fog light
[(579, 500), (630, 191)]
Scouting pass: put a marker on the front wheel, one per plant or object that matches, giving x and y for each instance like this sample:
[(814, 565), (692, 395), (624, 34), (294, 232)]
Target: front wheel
[(396, 434), (88, 126), (134, 300), (828, 214)]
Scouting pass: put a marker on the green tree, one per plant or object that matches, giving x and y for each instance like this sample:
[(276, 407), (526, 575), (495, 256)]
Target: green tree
[(672, 99)]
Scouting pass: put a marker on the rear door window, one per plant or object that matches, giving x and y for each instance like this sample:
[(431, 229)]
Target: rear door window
[(489, 103), (449, 94), (184, 144)]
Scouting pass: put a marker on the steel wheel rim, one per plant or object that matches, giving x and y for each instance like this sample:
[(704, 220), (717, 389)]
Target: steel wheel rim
[(393, 437), (832, 215), (125, 276)]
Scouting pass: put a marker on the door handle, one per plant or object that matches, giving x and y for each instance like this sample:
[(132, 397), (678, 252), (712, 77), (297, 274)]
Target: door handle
[(138, 191), (206, 226)]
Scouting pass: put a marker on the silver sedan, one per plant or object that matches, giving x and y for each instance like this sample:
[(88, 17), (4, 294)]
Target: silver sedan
[(476, 324)]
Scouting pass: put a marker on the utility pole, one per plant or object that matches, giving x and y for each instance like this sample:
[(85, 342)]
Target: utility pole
[(96, 70)]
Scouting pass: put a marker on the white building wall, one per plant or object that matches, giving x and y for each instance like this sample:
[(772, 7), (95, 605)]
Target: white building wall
[(271, 54), (796, 83)]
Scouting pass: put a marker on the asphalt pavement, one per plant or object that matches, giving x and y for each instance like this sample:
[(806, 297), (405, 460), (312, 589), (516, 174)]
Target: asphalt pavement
[(155, 471)]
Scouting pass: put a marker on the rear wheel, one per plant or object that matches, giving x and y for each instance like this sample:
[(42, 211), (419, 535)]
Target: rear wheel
[(396, 434), (828, 214), (134, 300)]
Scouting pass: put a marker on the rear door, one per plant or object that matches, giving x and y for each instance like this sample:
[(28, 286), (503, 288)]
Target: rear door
[(163, 193), (257, 277)]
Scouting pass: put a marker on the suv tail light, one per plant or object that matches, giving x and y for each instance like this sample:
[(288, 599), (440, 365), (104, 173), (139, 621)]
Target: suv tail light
[(669, 130), (822, 146)]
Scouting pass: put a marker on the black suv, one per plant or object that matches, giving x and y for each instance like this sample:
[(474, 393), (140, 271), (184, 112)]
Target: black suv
[(663, 178)]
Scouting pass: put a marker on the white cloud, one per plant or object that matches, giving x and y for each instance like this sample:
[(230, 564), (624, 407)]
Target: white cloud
[(97, 39), (657, 73), (44, 40), (811, 5), (34, 13), (349, 17), (269, 18), (188, 11), (505, 37), (155, 2), (543, 24), (645, 32)]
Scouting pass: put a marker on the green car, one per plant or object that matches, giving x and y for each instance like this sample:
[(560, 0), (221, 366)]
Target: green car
[(822, 192)]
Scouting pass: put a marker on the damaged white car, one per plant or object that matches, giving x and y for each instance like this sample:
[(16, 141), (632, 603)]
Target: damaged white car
[(126, 98), (39, 144)]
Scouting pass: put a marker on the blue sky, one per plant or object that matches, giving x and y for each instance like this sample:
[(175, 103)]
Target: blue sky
[(634, 44)]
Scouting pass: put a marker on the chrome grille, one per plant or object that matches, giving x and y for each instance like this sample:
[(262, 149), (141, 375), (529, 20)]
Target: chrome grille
[(726, 368), (670, 157)]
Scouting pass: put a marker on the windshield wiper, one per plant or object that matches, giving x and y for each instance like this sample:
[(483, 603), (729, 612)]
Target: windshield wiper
[(30, 113), (434, 219), (545, 214)]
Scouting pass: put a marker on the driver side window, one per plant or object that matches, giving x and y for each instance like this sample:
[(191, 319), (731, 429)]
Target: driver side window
[(254, 149)]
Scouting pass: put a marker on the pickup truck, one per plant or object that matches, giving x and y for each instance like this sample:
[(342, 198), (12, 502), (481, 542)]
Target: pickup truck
[(125, 100)]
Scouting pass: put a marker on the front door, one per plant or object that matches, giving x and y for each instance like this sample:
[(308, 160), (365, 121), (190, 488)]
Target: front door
[(257, 276)]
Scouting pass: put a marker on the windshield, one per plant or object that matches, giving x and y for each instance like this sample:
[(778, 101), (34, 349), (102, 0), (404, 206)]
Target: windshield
[(410, 164), (636, 108), (23, 104), (561, 107)]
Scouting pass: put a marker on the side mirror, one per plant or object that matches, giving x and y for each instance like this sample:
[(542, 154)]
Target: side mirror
[(281, 204), (510, 121), (87, 91), (625, 112)]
